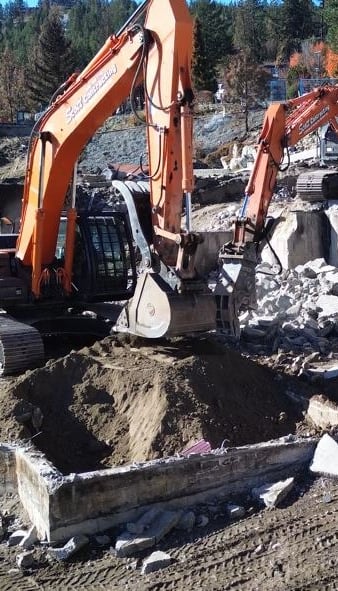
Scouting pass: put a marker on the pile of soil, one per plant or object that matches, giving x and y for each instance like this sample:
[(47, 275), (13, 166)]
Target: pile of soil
[(116, 402)]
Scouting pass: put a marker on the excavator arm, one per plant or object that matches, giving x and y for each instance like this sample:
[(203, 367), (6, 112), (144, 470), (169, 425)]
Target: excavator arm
[(284, 125)]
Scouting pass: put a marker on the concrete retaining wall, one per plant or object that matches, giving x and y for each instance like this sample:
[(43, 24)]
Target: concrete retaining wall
[(87, 503)]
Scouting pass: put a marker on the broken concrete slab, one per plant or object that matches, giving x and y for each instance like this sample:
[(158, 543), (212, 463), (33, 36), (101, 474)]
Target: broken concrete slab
[(128, 544), (16, 537), (325, 459), (297, 238), (274, 493), (322, 412), (145, 520), (155, 561), (164, 524), (73, 545), (25, 559), (328, 305), (29, 539)]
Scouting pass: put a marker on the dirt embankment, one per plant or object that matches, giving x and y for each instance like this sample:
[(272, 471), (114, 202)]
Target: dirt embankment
[(115, 403)]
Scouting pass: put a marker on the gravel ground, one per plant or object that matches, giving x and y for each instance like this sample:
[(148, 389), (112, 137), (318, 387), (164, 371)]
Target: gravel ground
[(117, 141)]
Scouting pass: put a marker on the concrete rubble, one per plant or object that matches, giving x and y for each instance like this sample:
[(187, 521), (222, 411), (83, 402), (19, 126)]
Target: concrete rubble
[(16, 537), (29, 539), (325, 459), (297, 314), (274, 493), (156, 561), (151, 527), (71, 547)]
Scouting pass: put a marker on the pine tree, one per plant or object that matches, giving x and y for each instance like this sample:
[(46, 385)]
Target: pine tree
[(203, 73), (249, 29), (12, 87), (215, 23), (331, 20), (52, 60), (296, 24)]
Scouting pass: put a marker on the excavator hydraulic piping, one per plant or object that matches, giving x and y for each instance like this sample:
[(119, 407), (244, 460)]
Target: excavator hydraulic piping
[(138, 12)]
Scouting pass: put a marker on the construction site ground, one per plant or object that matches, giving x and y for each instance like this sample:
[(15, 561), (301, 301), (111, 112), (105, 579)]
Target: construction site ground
[(291, 548), (121, 400), (124, 400)]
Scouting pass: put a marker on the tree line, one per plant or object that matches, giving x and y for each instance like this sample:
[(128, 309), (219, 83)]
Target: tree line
[(41, 47)]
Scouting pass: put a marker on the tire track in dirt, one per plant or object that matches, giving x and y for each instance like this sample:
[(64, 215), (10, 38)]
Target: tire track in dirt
[(298, 553)]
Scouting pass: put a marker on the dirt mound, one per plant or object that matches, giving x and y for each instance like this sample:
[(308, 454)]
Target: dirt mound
[(116, 403)]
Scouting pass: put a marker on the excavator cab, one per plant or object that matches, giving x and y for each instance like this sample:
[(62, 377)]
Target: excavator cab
[(104, 261)]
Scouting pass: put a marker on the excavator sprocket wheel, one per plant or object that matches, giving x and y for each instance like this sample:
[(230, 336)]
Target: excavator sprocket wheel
[(21, 346)]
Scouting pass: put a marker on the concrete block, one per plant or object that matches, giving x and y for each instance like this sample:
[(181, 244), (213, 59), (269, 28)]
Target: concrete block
[(155, 561), (299, 237), (325, 459), (29, 539), (322, 412), (235, 511), (328, 305), (165, 523), (273, 494), (25, 559), (187, 521), (73, 545), (16, 537), (141, 524), (128, 544)]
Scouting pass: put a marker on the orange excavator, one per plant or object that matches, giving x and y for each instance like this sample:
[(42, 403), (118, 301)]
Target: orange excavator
[(58, 263), (58, 266), (284, 125)]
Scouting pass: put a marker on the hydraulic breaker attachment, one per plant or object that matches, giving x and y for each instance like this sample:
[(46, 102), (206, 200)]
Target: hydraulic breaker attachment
[(235, 289), (158, 310)]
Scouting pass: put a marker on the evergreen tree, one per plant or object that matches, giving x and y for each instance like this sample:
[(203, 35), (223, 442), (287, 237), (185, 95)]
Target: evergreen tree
[(296, 24), (203, 73), (249, 34), (52, 60), (331, 20), (215, 24), (272, 30), (118, 13), (12, 86), (92, 21)]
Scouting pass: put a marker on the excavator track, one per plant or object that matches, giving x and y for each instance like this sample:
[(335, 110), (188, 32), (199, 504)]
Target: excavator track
[(317, 185), (21, 346)]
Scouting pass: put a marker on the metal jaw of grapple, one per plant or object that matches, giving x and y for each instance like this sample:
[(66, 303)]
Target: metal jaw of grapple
[(235, 289)]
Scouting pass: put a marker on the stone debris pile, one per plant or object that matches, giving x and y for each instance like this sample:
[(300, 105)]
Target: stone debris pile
[(297, 311)]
